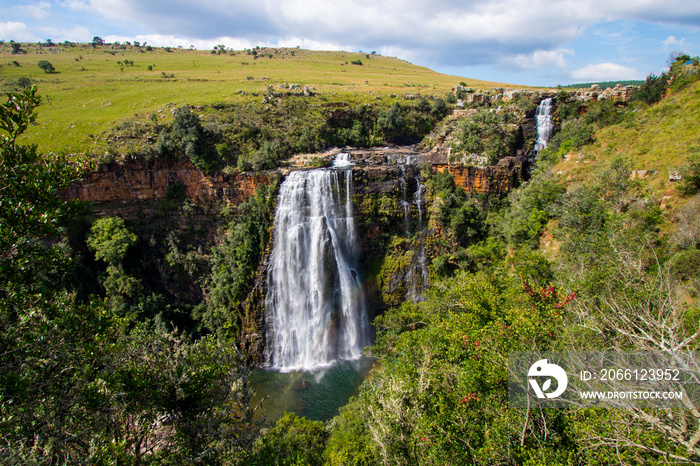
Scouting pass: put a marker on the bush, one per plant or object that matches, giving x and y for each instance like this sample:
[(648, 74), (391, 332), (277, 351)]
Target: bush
[(685, 264), (691, 174), (186, 137), (653, 89), (24, 82), (486, 134), (292, 441), (46, 66), (110, 239)]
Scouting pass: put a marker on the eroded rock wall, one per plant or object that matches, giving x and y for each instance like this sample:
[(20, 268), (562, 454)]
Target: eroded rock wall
[(131, 188)]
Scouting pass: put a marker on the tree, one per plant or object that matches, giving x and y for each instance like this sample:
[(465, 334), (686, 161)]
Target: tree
[(35, 309), (97, 40), (110, 239), (293, 440), (46, 66), (644, 312), (30, 209)]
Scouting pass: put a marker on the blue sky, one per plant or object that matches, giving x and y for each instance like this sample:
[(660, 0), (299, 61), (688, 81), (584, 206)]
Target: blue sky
[(534, 42)]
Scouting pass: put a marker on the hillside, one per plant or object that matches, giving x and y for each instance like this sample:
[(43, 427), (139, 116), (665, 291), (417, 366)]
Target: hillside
[(94, 87), (656, 139)]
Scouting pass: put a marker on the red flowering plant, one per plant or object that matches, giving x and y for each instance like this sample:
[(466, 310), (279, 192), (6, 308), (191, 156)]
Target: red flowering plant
[(548, 302)]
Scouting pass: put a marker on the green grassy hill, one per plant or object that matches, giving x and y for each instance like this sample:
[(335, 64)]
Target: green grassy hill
[(655, 138), (95, 87)]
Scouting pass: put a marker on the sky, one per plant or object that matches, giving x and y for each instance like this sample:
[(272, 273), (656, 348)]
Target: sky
[(533, 42)]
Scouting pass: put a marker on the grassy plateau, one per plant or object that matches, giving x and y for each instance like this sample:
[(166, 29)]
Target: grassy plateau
[(93, 88)]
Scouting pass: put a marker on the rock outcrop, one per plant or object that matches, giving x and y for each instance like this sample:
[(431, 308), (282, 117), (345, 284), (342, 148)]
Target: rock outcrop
[(127, 189)]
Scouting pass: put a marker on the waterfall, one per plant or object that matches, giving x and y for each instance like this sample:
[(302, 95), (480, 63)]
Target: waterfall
[(417, 276), (545, 126), (314, 305)]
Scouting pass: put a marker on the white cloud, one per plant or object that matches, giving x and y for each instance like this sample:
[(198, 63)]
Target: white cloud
[(535, 33), (39, 10), (605, 72), (671, 43), (17, 31), (539, 59), (73, 34), (76, 5), (510, 34)]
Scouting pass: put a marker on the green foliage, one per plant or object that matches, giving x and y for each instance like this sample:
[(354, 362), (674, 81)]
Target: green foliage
[(24, 82), (653, 89), (682, 74), (440, 397), (408, 123), (460, 215), (17, 48), (531, 207), (110, 239), (76, 386), (30, 210), (292, 441), (691, 173), (614, 180), (349, 441), (186, 137), (579, 123), (46, 66), (235, 261), (685, 265), (487, 134)]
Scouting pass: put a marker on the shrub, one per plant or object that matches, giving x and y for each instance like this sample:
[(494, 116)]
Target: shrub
[(293, 440), (691, 174), (653, 89), (24, 82), (110, 239), (685, 264), (46, 66)]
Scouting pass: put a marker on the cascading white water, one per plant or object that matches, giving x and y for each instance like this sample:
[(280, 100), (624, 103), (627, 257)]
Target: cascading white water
[(417, 276), (314, 304), (545, 125)]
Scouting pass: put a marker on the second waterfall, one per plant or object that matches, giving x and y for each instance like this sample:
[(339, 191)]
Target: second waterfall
[(314, 305)]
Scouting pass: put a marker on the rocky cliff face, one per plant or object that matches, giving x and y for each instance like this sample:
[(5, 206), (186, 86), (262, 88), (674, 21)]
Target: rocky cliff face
[(133, 188)]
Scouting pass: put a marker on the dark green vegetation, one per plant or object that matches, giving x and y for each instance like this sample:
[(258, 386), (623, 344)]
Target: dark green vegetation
[(603, 84), (136, 366), (263, 137)]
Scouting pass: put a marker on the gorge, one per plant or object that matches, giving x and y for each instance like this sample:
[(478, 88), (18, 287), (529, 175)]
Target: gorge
[(328, 269)]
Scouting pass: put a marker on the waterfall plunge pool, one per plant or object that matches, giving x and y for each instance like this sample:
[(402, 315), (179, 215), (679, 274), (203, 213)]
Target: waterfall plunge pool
[(314, 394)]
